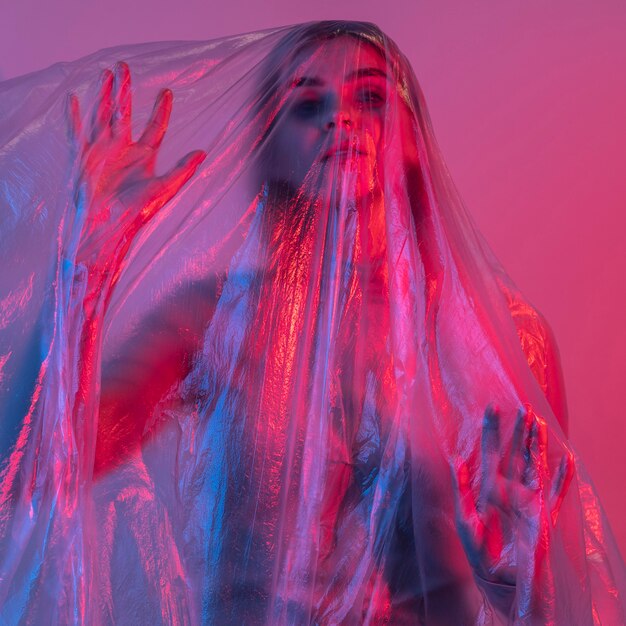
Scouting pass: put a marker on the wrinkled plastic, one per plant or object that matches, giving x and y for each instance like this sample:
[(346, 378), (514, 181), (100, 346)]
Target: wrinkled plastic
[(282, 382)]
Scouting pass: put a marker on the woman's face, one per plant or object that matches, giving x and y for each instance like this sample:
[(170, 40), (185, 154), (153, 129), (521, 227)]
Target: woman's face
[(334, 111)]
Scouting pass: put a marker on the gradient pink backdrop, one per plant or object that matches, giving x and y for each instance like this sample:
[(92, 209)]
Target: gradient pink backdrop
[(528, 100)]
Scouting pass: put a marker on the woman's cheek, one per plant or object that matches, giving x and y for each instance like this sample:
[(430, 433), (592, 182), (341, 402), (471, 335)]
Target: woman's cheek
[(374, 133), (408, 131)]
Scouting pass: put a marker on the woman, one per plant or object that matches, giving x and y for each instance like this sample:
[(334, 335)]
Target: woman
[(304, 346)]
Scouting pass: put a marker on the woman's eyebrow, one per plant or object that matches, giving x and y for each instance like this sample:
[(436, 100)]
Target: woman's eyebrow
[(365, 72), (314, 81), (307, 81)]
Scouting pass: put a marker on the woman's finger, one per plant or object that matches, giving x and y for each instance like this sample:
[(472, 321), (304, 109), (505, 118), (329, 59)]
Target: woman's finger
[(169, 185), (536, 470), (542, 448), (490, 454), (467, 513), (155, 130), (514, 465), (74, 123), (121, 122), (182, 172), (530, 473), (101, 123), (561, 484)]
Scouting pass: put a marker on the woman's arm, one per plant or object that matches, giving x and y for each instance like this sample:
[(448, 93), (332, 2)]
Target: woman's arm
[(117, 194), (45, 497), (150, 363)]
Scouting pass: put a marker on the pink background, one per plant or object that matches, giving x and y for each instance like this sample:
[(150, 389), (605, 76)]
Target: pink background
[(528, 101)]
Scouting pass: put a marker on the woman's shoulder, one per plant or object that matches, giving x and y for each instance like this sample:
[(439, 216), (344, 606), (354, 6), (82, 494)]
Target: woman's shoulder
[(539, 345), (532, 327)]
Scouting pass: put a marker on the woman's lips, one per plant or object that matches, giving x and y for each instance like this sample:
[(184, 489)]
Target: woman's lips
[(343, 153)]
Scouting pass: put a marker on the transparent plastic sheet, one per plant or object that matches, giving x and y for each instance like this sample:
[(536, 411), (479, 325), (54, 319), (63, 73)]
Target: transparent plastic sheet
[(284, 383)]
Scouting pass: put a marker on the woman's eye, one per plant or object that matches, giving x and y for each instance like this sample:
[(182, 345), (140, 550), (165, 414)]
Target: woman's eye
[(311, 107), (372, 98)]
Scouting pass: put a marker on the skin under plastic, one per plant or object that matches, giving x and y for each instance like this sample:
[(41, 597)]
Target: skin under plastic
[(256, 363)]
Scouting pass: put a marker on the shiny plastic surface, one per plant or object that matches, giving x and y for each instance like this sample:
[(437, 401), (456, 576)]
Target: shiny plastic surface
[(256, 364)]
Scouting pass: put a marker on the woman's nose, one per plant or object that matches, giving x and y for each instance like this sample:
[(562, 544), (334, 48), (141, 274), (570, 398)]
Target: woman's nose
[(340, 118)]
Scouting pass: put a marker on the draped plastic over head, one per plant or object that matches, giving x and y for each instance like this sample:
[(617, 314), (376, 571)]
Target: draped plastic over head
[(271, 410)]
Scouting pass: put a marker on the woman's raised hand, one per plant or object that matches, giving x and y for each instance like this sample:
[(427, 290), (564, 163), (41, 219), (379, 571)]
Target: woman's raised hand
[(506, 527), (115, 183)]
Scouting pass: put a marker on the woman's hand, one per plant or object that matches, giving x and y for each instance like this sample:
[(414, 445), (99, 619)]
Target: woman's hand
[(506, 529), (116, 186)]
